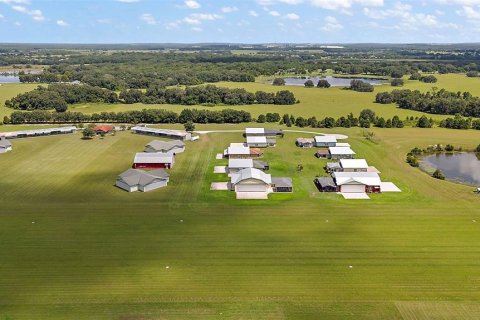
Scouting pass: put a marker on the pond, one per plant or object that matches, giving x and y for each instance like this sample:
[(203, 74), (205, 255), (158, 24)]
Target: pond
[(9, 78), (461, 167), (334, 81)]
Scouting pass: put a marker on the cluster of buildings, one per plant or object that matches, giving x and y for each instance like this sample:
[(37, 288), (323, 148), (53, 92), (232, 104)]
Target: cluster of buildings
[(247, 173), (353, 178), (149, 168)]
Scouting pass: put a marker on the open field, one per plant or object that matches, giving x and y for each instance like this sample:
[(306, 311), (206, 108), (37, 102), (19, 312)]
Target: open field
[(10, 90), (97, 252)]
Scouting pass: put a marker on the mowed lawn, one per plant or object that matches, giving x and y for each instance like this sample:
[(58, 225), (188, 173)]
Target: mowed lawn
[(73, 246), (332, 102)]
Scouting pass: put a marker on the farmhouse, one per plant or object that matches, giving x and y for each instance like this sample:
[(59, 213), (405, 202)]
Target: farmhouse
[(235, 165), (325, 141), (5, 145), (282, 184), (260, 142), (171, 147), (172, 134), (103, 129), (305, 142), (250, 180), (138, 180), (262, 132), (348, 165), (145, 160), (38, 132), (241, 151), (340, 153), (354, 182)]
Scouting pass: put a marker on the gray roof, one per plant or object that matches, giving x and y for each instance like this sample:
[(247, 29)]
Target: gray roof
[(333, 165), (165, 146), (4, 143), (326, 182), (135, 177), (282, 182)]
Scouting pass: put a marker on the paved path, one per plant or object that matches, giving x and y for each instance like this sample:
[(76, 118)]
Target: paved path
[(338, 136)]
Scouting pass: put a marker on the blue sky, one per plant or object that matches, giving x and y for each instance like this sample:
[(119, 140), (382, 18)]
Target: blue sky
[(248, 21)]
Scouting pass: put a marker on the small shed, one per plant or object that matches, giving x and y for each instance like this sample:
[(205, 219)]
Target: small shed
[(322, 154), (103, 129), (325, 141), (305, 142), (144, 160), (138, 180), (159, 146), (5, 145), (325, 184), (283, 184), (340, 153)]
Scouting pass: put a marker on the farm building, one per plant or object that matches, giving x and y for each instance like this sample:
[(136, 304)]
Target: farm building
[(262, 132), (138, 180), (5, 145), (355, 182), (322, 153), (348, 165), (241, 151), (325, 184), (305, 142), (250, 180), (171, 134), (171, 147), (325, 141), (38, 132), (144, 160), (235, 165), (260, 142), (103, 129), (340, 153), (282, 184)]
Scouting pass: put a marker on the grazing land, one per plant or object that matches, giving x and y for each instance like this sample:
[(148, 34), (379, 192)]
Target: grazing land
[(73, 245)]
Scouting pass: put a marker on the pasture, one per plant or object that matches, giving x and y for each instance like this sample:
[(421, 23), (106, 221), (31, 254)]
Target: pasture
[(74, 246)]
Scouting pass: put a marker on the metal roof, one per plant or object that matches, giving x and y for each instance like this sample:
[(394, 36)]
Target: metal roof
[(256, 139), (240, 163), (353, 163), (327, 138), (366, 178), (4, 143), (237, 148), (160, 145), (341, 150), (161, 131), (282, 182), (251, 173), (135, 177), (254, 130), (36, 132), (143, 157)]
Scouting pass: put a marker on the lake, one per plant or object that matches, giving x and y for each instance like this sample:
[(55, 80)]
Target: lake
[(9, 79), (462, 167), (334, 81)]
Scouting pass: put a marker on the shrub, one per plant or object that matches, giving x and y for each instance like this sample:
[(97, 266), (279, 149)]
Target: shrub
[(438, 174), (309, 84), (449, 148), (397, 83), (278, 82), (323, 84)]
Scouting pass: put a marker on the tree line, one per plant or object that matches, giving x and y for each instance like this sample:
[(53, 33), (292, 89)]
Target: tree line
[(59, 96), (436, 101)]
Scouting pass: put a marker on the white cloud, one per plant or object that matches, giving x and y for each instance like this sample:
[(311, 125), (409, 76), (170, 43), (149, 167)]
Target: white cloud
[(197, 29), (2, 17), (274, 13), (331, 24), (326, 4), (192, 4), (243, 23), (10, 2), (253, 13), (128, 1), (148, 19), (36, 15), (292, 16), (229, 9), (469, 13), (62, 23)]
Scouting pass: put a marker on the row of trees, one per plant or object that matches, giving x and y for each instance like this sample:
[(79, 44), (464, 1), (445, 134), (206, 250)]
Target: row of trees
[(58, 96), (436, 102), (459, 122), (134, 116), (422, 78)]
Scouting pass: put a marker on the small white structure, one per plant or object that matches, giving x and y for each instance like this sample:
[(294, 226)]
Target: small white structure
[(340, 153), (5, 145), (353, 182), (257, 141), (353, 165), (250, 180), (325, 141), (138, 180)]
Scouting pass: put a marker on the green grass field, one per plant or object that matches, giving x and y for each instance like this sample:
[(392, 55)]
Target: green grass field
[(97, 252)]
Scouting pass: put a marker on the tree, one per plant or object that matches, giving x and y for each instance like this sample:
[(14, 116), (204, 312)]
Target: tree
[(261, 118), (88, 133), (284, 97), (415, 76), (309, 84), (189, 126), (278, 82), (360, 86), (380, 123), (272, 117), (300, 122), (472, 74), (428, 79), (411, 160), (449, 148), (423, 122), (478, 148), (438, 174), (397, 83), (323, 84), (6, 120)]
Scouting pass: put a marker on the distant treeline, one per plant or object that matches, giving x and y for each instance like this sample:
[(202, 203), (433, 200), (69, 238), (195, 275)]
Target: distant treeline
[(436, 102), (59, 96), (134, 116)]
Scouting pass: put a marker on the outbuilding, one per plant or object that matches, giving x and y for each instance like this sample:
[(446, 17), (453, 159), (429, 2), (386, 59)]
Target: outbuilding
[(171, 134), (171, 147), (241, 151), (340, 153), (250, 180), (355, 182), (282, 184), (262, 132), (322, 154), (325, 141), (144, 160), (5, 145), (138, 180), (103, 129), (325, 184), (235, 165), (354, 165), (305, 142), (260, 142)]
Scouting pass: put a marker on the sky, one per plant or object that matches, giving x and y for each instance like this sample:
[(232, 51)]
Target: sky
[(246, 21)]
